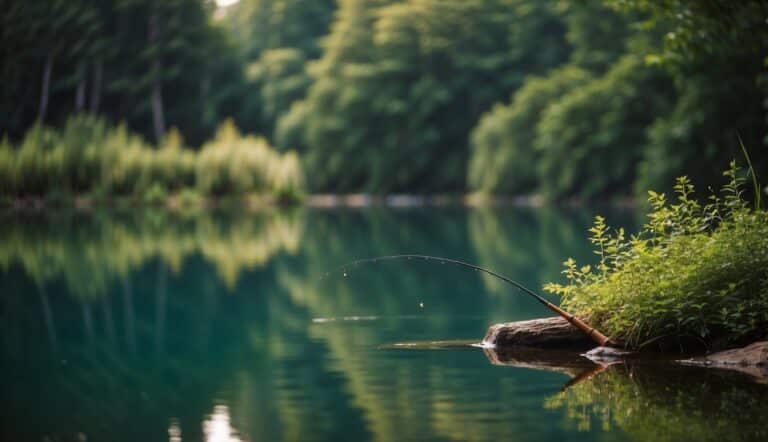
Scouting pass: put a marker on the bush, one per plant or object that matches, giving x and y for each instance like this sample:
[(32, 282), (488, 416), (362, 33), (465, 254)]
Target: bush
[(88, 155), (694, 270), (232, 163)]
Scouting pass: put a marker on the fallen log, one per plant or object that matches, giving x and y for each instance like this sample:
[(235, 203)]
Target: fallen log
[(554, 332)]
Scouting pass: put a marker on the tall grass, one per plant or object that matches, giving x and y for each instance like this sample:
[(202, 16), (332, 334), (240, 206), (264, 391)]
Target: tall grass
[(89, 156), (695, 270)]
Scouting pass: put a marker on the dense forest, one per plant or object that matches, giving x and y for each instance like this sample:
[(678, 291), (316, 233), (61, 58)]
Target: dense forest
[(567, 99)]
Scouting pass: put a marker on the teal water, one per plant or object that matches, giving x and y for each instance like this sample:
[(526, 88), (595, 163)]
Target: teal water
[(150, 325)]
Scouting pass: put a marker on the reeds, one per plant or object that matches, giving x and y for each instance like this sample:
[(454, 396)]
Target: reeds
[(88, 156)]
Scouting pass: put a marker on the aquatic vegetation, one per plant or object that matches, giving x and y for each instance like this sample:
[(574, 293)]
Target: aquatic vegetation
[(694, 270), (89, 156)]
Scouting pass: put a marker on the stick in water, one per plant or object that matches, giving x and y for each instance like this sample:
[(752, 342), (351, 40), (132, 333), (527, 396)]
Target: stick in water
[(590, 331)]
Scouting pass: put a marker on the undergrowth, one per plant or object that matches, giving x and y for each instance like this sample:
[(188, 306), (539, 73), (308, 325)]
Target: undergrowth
[(694, 270)]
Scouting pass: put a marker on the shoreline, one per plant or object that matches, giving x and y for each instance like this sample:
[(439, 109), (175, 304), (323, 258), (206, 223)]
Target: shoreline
[(319, 200)]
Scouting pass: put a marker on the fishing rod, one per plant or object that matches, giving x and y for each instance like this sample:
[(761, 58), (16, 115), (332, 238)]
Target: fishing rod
[(590, 331)]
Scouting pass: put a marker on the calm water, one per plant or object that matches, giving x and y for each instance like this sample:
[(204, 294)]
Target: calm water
[(159, 326)]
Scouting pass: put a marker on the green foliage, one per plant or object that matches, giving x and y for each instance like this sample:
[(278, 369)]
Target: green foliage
[(502, 143), (88, 155), (585, 100), (102, 60), (663, 99), (697, 28), (261, 25), (282, 79), (235, 164), (700, 133), (590, 138), (401, 84), (693, 270)]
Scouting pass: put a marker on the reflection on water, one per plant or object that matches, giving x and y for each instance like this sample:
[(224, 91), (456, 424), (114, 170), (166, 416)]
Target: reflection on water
[(217, 427), (219, 327), (662, 402)]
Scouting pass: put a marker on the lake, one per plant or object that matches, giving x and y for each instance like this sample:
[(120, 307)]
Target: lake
[(145, 325)]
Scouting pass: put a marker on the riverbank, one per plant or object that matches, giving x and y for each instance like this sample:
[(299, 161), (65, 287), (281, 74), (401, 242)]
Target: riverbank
[(189, 198), (556, 345)]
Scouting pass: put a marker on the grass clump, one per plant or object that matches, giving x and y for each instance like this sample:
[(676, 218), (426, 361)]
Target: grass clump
[(694, 270)]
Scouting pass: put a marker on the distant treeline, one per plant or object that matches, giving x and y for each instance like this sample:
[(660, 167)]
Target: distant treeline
[(585, 99)]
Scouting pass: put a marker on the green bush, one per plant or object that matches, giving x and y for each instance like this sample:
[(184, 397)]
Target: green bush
[(694, 270), (236, 164), (89, 156)]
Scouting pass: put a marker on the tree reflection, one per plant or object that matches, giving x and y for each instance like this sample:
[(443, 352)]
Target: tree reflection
[(92, 251), (169, 317), (665, 402)]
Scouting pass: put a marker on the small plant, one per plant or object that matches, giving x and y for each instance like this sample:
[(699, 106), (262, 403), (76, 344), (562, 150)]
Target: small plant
[(694, 270)]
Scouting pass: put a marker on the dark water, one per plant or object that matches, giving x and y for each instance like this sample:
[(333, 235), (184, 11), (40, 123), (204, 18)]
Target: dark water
[(126, 326)]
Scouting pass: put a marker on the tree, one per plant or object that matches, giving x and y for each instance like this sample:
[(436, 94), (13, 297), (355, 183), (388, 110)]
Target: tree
[(502, 143), (400, 86), (281, 77), (591, 139)]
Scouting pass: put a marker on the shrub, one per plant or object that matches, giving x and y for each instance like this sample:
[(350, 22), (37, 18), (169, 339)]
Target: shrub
[(87, 155), (693, 271), (232, 163)]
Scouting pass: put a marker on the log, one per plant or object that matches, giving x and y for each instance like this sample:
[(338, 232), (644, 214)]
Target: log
[(569, 362), (553, 332)]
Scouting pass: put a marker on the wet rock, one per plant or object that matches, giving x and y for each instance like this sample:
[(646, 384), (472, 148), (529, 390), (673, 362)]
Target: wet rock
[(751, 360), (553, 332), (607, 354)]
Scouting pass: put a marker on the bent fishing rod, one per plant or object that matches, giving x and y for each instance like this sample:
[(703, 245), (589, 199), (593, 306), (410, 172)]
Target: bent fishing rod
[(585, 328)]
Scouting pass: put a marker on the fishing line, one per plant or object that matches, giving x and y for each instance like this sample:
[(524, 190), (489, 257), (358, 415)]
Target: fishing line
[(343, 268), (590, 331)]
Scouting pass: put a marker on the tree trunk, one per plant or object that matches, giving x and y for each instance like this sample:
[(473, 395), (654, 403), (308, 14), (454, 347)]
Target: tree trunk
[(158, 119), (46, 88), (80, 91), (98, 69)]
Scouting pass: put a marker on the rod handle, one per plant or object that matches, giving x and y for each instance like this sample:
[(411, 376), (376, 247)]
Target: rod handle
[(587, 329)]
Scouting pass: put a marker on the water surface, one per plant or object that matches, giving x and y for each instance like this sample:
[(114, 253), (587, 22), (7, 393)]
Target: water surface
[(150, 325)]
